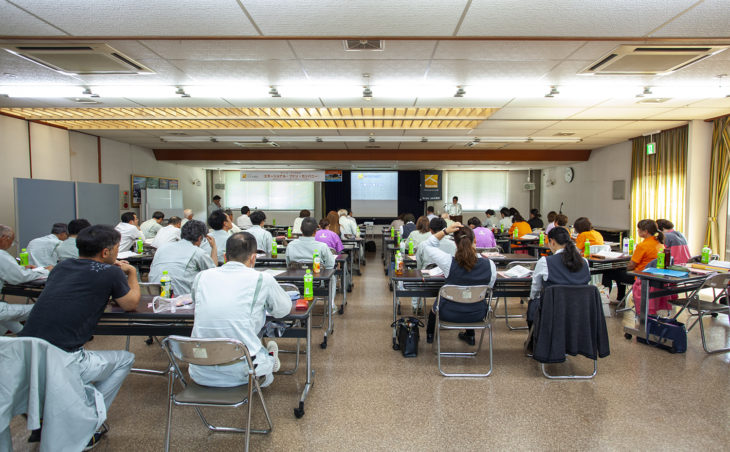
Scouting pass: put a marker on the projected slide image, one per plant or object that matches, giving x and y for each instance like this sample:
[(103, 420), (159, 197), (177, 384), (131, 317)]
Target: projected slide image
[(374, 186)]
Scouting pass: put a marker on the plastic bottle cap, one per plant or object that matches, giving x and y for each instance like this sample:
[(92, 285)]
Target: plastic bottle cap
[(309, 271), (164, 272)]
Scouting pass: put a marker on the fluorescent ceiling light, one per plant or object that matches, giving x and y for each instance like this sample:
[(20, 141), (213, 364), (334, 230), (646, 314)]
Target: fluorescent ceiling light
[(366, 138)]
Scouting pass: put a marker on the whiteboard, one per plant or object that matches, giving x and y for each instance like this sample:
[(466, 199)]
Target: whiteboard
[(169, 202)]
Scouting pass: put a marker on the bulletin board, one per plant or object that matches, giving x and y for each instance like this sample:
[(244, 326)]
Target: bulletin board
[(140, 183)]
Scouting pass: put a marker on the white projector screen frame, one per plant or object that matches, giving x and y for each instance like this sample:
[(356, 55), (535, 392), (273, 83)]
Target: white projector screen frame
[(374, 193)]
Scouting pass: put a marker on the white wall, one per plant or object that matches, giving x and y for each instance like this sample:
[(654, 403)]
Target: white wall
[(591, 192), (15, 163), (84, 157), (697, 196), (50, 152)]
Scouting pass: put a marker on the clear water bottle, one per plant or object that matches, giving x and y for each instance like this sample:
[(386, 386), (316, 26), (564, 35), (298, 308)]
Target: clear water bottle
[(625, 245), (308, 285)]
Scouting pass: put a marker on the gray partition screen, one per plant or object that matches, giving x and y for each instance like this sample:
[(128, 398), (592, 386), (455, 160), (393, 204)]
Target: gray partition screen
[(40, 203), (98, 203)]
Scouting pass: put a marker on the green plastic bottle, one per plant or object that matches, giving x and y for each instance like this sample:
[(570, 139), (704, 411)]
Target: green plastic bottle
[(515, 234), (308, 285), (631, 245), (397, 239), (410, 246), (24, 257), (392, 233), (274, 249), (542, 239), (288, 232), (165, 285), (660, 259), (140, 246), (706, 252), (273, 221), (587, 249)]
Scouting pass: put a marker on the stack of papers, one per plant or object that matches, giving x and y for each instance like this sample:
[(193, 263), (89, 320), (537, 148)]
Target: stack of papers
[(517, 271), (485, 254), (433, 272), (721, 264), (274, 272), (610, 254), (126, 254), (530, 236)]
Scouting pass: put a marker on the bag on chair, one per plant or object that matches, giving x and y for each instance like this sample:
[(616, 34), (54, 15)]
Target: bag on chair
[(666, 328), (407, 335)]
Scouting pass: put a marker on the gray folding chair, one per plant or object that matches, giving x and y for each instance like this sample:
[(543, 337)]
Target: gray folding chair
[(529, 265), (210, 352), (464, 294), (700, 308), (289, 287)]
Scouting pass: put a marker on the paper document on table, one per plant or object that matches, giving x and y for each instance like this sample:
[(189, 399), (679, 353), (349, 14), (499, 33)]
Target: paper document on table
[(433, 272), (260, 254), (610, 254), (491, 254), (530, 236), (274, 272), (721, 264), (126, 254), (517, 271)]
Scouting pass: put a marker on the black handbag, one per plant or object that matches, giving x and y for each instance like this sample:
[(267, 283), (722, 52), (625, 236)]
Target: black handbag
[(666, 328), (407, 335)]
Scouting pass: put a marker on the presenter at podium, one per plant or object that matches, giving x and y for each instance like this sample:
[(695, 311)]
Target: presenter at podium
[(454, 209)]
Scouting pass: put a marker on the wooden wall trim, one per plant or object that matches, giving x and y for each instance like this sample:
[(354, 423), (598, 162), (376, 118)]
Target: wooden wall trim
[(98, 155), (30, 153), (436, 155)]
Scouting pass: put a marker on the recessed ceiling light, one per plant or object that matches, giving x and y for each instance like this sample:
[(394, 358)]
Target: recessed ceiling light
[(9, 75), (654, 100)]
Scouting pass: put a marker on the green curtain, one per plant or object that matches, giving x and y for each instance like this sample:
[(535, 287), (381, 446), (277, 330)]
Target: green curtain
[(658, 181), (719, 172)]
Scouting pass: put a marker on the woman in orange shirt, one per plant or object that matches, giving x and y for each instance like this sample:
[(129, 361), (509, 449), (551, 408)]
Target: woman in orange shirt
[(645, 252), (522, 226), (585, 231)]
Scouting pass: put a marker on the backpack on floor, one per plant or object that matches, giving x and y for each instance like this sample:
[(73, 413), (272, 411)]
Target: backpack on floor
[(370, 246), (407, 334)]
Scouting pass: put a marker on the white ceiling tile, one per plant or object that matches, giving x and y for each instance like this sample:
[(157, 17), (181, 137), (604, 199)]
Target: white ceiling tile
[(375, 132), (16, 22), (557, 101), (618, 113), (272, 72), (350, 71), (702, 73), (590, 145), (635, 102), (504, 50), (649, 125), (15, 102), (221, 50), (135, 18), (723, 102), (283, 101), (165, 74), (513, 125), (103, 103), (569, 17), (28, 73), (463, 72), (535, 113), (356, 18), (335, 50), (709, 18), (585, 126), (464, 102), (687, 113), (593, 50)]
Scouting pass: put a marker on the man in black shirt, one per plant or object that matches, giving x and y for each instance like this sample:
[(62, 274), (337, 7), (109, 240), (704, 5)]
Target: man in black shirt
[(76, 294)]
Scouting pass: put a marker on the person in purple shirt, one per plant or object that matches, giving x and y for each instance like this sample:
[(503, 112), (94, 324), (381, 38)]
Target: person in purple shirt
[(328, 237), (483, 237)]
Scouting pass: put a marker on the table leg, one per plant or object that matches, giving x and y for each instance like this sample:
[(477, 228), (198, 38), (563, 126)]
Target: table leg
[(330, 301), (299, 411), (343, 282), (645, 306), (395, 314)]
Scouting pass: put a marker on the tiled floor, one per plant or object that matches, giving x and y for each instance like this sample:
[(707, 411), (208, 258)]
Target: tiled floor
[(368, 397)]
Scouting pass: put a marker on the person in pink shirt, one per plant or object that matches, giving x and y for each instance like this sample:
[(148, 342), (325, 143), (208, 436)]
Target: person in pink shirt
[(328, 237), (483, 237)]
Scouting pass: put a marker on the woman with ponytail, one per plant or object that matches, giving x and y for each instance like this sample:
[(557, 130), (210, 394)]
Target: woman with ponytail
[(564, 267), (466, 268)]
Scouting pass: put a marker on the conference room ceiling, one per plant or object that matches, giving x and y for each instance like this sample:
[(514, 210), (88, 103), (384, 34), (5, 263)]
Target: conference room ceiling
[(228, 56)]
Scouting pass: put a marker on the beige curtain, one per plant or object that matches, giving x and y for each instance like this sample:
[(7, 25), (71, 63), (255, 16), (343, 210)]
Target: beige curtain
[(658, 180), (719, 172)]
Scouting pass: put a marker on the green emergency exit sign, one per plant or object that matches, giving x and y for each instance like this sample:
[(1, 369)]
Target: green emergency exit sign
[(650, 148)]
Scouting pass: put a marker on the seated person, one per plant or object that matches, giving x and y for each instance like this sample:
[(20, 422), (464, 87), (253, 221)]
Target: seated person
[(409, 225), (446, 245), (354, 223), (302, 249), (150, 227), (11, 273), (187, 216), (170, 233), (506, 218), (430, 213), (550, 221), (535, 221), (219, 222), (466, 268), (42, 251), (67, 249), (398, 222), (297, 226), (232, 301), (675, 241), (244, 222), (519, 223), (264, 239), (483, 236), (75, 296), (328, 237), (564, 267), (491, 221), (418, 236), (347, 227), (447, 219), (184, 259), (129, 230), (334, 221), (234, 226), (585, 231)]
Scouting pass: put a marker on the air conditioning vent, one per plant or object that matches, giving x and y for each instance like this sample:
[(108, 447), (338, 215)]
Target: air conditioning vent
[(649, 60), (81, 59), (257, 145), (364, 44)]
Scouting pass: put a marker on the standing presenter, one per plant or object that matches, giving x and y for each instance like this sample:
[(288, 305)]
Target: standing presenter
[(454, 210)]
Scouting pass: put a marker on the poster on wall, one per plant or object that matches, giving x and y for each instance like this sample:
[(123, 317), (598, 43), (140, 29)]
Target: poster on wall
[(164, 184), (153, 182), (430, 185), (303, 176), (173, 184), (139, 183)]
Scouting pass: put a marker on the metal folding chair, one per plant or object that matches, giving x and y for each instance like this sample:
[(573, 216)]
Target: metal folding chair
[(700, 308), (210, 352), (464, 294), (529, 265), (289, 287)]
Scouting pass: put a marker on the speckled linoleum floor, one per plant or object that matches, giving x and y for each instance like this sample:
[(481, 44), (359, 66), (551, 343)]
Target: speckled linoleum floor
[(368, 397)]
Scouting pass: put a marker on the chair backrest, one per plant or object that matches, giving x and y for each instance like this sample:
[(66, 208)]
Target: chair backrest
[(289, 287), (206, 351), (333, 251), (492, 249), (719, 281), (600, 248), (300, 265), (530, 265), (150, 288), (464, 294)]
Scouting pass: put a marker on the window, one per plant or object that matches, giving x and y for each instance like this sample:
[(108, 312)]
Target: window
[(275, 195), (477, 190)]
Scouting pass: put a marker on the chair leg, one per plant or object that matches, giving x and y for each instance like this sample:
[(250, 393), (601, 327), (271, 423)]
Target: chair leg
[(704, 341), (571, 377), (464, 354), (507, 317), (624, 301), (170, 383), (248, 410), (266, 409)]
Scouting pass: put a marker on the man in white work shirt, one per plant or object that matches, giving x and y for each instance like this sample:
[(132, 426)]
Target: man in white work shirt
[(264, 239), (244, 221), (221, 226), (346, 226), (129, 229), (447, 244), (454, 210), (232, 301), (170, 233), (354, 223), (151, 227), (67, 249), (430, 213), (11, 273), (42, 251), (215, 205), (187, 216), (184, 259), (302, 249)]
